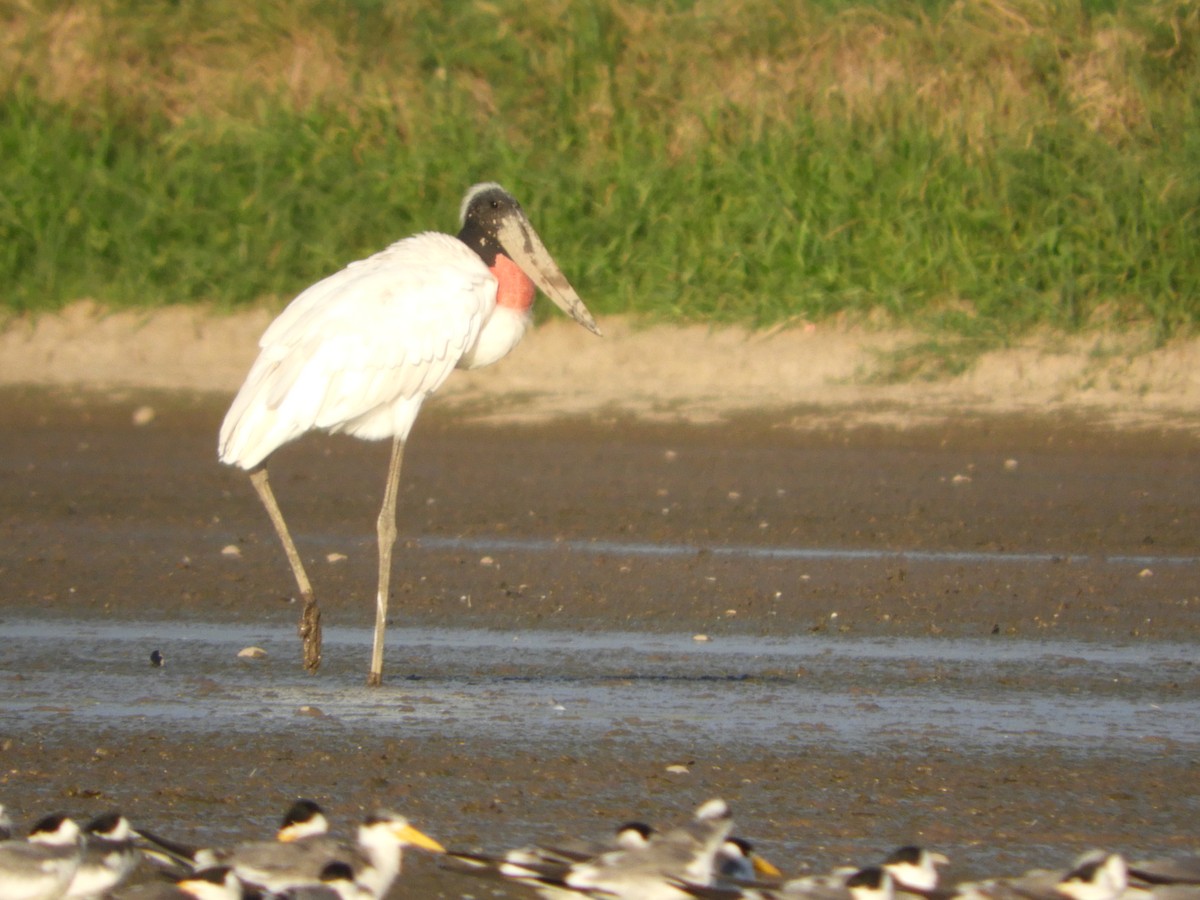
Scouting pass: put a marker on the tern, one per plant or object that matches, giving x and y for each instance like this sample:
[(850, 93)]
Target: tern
[(337, 882), (914, 869), (109, 856), (375, 858), (1180, 870), (41, 868), (214, 883), (643, 863), (683, 855), (303, 819), (1094, 876), (871, 883), (739, 861), (542, 867)]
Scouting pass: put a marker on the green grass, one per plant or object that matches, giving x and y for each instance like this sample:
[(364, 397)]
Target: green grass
[(978, 169)]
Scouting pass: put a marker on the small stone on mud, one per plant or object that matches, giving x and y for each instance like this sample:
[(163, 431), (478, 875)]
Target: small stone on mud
[(670, 455), (1010, 465), (233, 551), (144, 415), (700, 637), (252, 653), (310, 711), (335, 557), (679, 770), (487, 561), (961, 479), (1145, 573)]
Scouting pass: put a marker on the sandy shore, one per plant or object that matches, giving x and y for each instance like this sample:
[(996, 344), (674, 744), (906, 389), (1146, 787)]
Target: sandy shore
[(1051, 536), (813, 376)]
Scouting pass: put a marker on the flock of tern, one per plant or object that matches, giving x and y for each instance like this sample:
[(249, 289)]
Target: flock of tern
[(697, 860)]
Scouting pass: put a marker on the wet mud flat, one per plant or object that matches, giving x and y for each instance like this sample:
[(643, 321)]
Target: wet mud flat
[(977, 636)]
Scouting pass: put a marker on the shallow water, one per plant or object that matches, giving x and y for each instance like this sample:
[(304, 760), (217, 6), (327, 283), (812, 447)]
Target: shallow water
[(753, 552), (568, 688)]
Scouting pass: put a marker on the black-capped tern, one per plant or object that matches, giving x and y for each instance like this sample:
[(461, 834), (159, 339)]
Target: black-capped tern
[(108, 858), (41, 868), (375, 857)]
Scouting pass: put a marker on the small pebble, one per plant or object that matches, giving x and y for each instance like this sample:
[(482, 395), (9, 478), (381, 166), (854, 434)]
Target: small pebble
[(252, 653), (700, 637), (678, 770), (314, 711), (144, 415), (335, 557), (233, 551)]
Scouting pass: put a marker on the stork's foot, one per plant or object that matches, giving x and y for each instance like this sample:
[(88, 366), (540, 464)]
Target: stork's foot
[(374, 679), (310, 633)]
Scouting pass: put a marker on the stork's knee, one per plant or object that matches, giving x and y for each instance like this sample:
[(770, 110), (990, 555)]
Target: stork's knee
[(385, 528)]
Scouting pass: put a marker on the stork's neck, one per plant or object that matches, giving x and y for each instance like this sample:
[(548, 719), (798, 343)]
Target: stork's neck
[(482, 241), (514, 288)]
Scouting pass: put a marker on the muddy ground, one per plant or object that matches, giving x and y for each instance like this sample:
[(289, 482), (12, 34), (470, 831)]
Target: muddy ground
[(982, 528)]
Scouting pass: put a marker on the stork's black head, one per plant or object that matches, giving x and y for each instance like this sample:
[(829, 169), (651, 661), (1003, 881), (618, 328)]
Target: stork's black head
[(493, 224), (485, 208)]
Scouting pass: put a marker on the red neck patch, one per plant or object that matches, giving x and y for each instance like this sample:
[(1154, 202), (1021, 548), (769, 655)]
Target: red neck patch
[(516, 290)]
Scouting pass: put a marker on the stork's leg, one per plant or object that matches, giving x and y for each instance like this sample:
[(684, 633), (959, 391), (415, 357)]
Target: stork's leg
[(386, 529), (310, 616)]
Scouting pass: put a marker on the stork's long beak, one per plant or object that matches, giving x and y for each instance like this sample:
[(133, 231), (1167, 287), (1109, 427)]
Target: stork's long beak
[(526, 249)]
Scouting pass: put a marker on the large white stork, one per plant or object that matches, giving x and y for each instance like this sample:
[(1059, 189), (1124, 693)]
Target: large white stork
[(361, 350)]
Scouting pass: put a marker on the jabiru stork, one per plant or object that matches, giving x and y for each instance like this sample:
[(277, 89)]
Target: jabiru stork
[(359, 351)]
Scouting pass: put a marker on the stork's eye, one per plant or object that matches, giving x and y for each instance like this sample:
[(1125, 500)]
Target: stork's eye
[(495, 204)]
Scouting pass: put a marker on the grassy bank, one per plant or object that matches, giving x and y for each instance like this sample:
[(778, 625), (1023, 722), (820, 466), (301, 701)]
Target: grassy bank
[(982, 167)]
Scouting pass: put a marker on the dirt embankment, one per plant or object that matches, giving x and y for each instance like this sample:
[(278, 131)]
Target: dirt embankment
[(662, 373)]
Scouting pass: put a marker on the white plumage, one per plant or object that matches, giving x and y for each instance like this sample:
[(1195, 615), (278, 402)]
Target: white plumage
[(428, 300), (359, 351)]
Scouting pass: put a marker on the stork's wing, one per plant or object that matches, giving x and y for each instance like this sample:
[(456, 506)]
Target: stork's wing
[(360, 350)]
